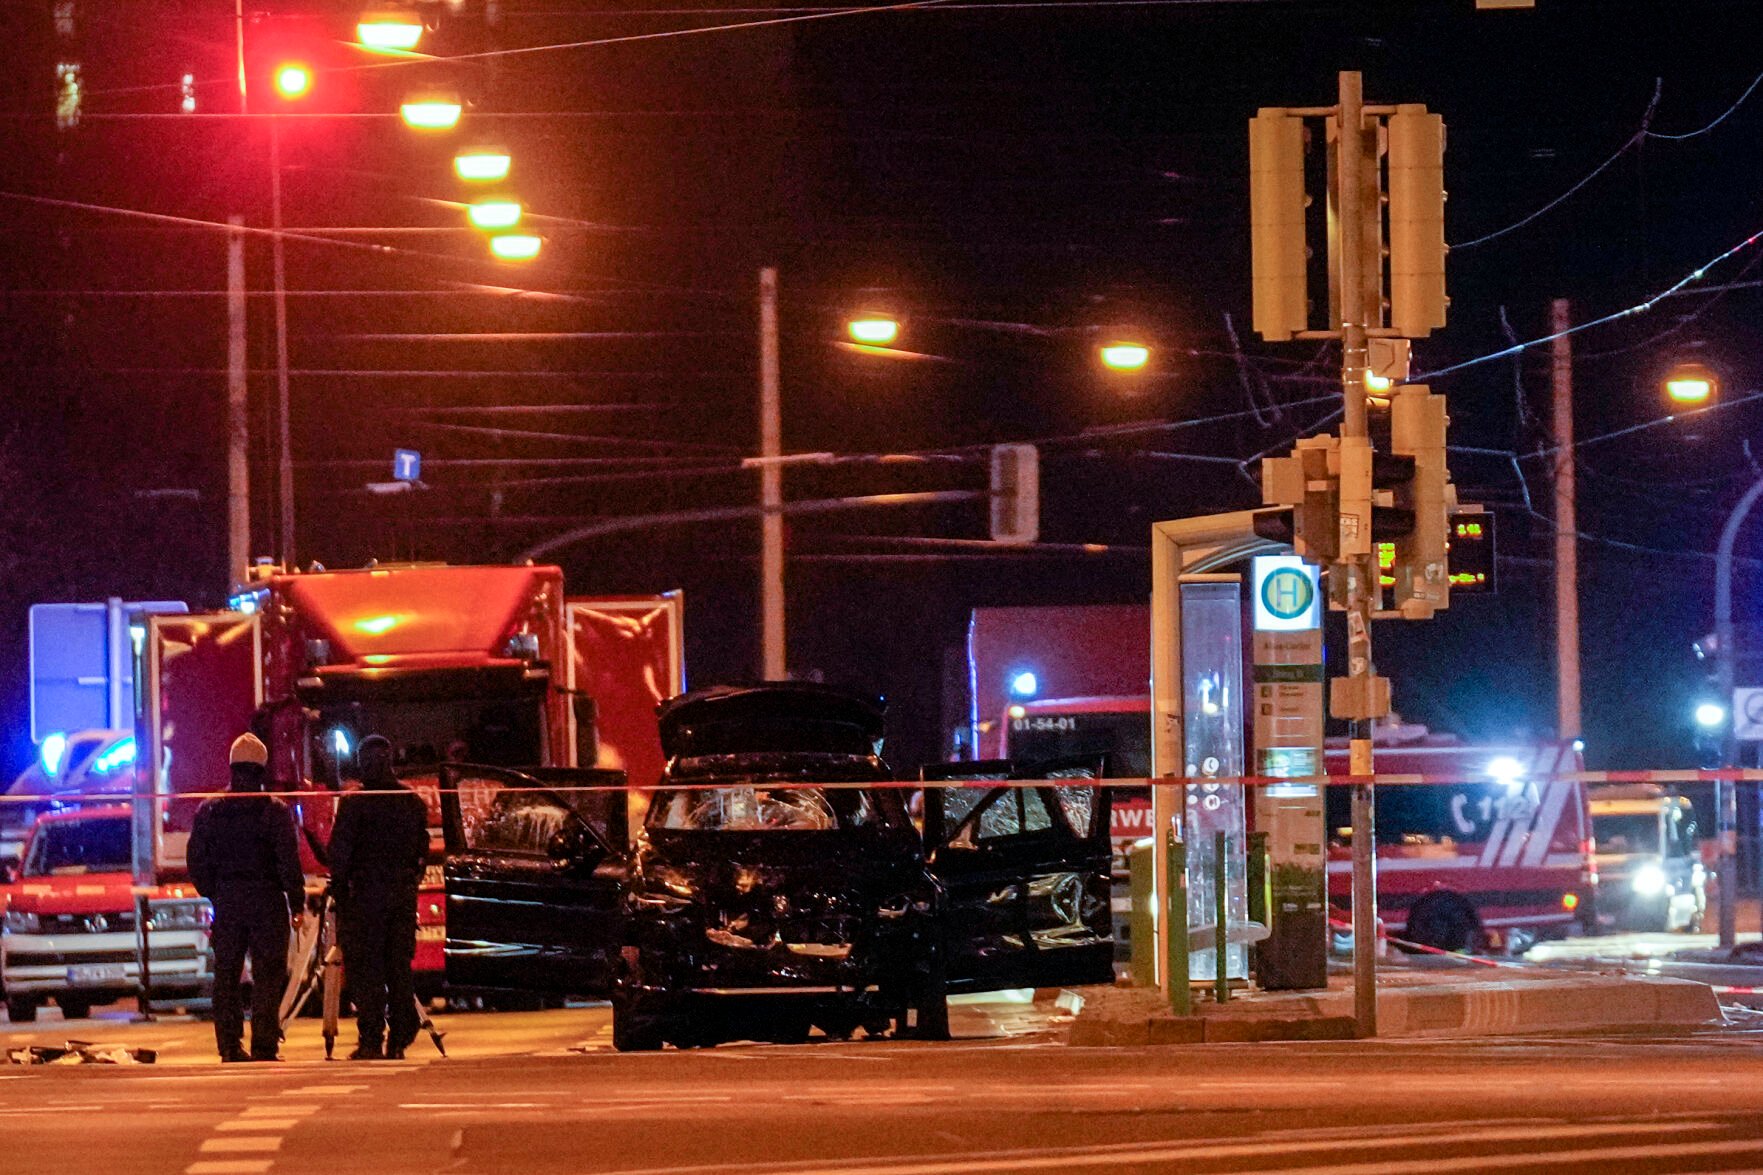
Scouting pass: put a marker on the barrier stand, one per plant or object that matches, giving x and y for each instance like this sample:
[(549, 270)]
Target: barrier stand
[(1220, 921), (1142, 925), (143, 958), (1176, 912)]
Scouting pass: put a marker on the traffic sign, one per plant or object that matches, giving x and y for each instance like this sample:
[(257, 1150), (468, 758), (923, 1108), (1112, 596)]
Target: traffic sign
[(1286, 597), (1747, 714), (406, 465)]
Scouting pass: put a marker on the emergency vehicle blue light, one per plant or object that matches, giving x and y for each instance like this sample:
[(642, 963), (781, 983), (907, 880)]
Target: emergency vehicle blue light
[(54, 747), (118, 756), (1024, 684), (340, 742)]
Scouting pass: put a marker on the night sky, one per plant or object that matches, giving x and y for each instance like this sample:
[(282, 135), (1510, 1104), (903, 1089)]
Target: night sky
[(1008, 177)]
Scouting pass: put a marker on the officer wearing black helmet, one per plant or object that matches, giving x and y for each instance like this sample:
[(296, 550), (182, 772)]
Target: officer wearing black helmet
[(378, 849), (244, 858)]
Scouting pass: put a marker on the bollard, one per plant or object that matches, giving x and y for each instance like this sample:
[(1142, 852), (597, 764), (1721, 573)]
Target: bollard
[(1260, 885), (1220, 916), (1141, 925), (143, 958), (1176, 919)]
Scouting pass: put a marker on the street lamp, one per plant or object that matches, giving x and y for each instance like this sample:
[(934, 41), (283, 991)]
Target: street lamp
[(494, 213), (1692, 384), (432, 112), (482, 164), (873, 330), (516, 246), (389, 32), (293, 80), (1124, 356)]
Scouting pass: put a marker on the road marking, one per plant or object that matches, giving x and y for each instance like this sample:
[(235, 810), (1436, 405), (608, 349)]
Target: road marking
[(268, 1142), (321, 1090), (1185, 1151), (1673, 1152), (259, 1124), (229, 1167), (278, 1111)]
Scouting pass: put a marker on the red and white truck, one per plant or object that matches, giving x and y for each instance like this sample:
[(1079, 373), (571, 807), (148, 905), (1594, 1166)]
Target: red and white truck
[(484, 664)]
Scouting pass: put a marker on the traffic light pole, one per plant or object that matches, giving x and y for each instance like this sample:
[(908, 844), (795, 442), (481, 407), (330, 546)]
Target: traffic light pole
[(284, 432), (1359, 567)]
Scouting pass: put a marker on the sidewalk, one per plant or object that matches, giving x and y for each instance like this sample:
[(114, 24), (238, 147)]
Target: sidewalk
[(1410, 1003)]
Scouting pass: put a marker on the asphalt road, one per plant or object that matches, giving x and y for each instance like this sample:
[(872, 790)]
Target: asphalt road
[(544, 1093)]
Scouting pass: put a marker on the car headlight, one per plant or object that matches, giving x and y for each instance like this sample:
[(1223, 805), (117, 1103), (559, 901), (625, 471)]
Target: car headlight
[(21, 922), (1648, 881), (180, 916)]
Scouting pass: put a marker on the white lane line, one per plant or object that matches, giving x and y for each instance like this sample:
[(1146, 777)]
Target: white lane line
[(322, 1090), (278, 1111), (278, 1124), (229, 1167), (1186, 1151), (1670, 1152), (267, 1142)]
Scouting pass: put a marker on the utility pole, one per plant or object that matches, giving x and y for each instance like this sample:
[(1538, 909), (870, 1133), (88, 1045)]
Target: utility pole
[(1568, 726), (284, 442), (771, 487), (238, 418)]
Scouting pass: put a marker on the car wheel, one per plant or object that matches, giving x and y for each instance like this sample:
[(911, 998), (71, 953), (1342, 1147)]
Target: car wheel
[(632, 1031), (1443, 921), (73, 1009), (21, 1009)]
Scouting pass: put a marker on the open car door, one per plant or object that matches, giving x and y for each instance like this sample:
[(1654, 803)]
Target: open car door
[(1025, 870), (535, 878)]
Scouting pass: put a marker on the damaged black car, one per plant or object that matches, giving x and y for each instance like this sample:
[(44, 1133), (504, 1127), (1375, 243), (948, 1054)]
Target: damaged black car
[(778, 882)]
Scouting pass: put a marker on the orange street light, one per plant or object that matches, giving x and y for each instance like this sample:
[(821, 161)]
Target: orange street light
[(874, 330), (497, 213), (1124, 356), (482, 164), (293, 80), (515, 246), (389, 32), (1691, 384), (432, 113)]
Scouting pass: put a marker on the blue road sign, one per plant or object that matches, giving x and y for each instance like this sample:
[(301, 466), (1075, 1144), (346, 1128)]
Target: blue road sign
[(406, 465)]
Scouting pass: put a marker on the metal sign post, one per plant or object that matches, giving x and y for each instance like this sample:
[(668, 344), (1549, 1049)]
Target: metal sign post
[(1288, 702)]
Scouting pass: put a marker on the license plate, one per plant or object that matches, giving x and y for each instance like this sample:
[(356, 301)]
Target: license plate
[(96, 973)]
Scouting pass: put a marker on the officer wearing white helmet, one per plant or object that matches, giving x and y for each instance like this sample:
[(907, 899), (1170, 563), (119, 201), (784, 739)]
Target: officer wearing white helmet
[(244, 857)]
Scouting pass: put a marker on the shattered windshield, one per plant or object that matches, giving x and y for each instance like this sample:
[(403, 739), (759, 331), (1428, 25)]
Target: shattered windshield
[(761, 809)]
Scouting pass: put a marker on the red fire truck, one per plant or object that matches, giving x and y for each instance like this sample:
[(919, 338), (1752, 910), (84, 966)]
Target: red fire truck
[(489, 665)]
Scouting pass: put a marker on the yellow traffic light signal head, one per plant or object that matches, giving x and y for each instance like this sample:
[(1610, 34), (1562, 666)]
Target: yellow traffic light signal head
[(293, 80)]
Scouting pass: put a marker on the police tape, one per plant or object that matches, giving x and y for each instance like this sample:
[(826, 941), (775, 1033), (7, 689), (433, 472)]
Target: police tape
[(515, 781)]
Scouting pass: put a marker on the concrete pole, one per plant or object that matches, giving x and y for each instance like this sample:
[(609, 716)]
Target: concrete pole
[(1567, 685), (771, 486), (238, 418), (1361, 570), (1725, 791), (284, 444)]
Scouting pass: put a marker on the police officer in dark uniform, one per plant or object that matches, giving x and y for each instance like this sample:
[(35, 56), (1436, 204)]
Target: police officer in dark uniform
[(244, 858), (378, 849)]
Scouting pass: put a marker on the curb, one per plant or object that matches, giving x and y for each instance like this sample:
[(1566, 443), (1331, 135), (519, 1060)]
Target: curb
[(1131, 1016)]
